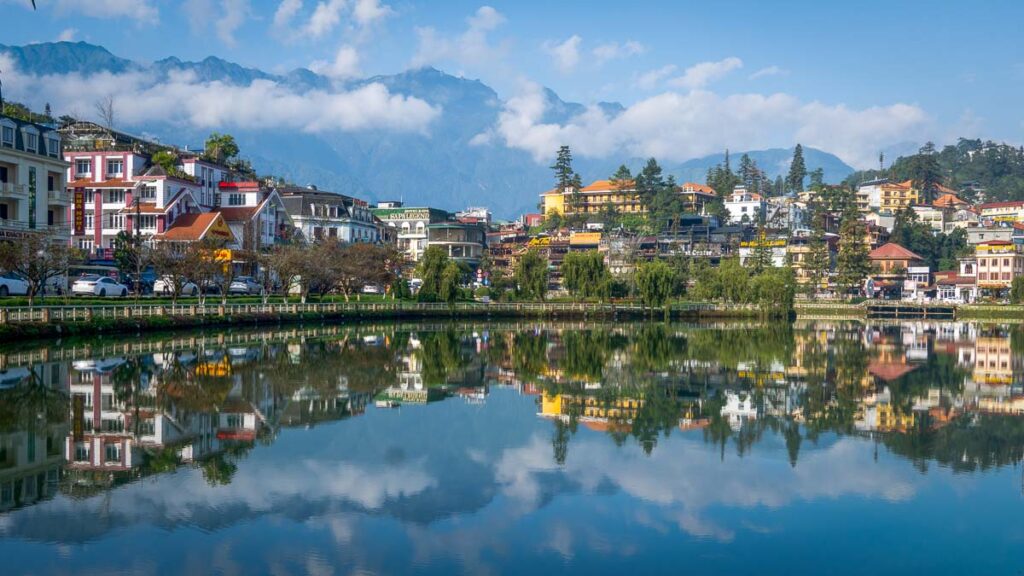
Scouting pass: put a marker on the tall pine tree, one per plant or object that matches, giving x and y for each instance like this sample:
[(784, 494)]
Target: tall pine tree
[(797, 171), (852, 262)]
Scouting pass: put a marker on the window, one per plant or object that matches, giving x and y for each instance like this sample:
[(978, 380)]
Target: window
[(84, 244), (147, 193), (83, 168), (234, 420), (115, 167), (8, 136), (89, 224), (31, 141), (115, 196), (53, 147), (236, 199), (1006, 262), (112, 453), (147, 221)]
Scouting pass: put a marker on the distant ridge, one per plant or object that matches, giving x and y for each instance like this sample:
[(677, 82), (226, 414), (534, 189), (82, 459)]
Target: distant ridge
[(443, 169)]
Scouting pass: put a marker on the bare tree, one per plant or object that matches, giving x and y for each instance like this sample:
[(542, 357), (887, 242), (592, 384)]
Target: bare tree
[(288, 262), (105, 110), (37, 258), (173, 263)]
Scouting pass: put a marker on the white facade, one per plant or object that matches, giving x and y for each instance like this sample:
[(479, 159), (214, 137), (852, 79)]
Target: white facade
[(745, 206), (33, 197)]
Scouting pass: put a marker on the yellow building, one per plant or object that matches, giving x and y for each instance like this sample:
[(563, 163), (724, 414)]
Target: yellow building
[(999, 262), (593, 199), (894, 197), (622, 197)]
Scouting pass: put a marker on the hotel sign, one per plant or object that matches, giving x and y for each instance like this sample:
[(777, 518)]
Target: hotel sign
[(79, 211)]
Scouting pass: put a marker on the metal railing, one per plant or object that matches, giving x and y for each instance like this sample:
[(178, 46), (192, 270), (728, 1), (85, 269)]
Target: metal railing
[(11, 189), (125, 311)]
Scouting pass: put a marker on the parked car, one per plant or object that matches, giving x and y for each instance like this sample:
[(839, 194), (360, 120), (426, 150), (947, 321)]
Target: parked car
[(102, 286), (245, 285), (12, 284), (165, 287)]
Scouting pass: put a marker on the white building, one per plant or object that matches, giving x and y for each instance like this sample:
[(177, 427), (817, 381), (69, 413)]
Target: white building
[(744, 206), (322, 215), (32, 172)]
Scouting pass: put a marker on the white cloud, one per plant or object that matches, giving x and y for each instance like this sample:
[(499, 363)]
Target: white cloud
[(700, 75), (67, 35), (769, 71), (566, 54), (285, 12), (229, 16), (678, 126), (472, 48), (142, 11), (325, 17), (235, 12), (651, 79), (366, 12), (675, 479), (345, 64), (183, 99), (614, 50)]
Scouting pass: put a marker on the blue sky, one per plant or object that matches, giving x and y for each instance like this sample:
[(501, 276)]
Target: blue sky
[(953, 68)]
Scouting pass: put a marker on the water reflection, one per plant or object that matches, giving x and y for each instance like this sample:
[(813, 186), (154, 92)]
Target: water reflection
[(493, 422)]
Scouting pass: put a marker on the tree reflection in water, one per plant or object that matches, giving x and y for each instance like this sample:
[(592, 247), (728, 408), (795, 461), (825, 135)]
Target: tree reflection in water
[(948, 394)]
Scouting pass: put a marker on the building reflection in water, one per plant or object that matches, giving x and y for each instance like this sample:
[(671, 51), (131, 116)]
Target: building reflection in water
[(81, 421)]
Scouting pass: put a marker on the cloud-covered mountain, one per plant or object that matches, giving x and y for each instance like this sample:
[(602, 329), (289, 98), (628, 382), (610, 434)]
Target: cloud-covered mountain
[(422, 136)]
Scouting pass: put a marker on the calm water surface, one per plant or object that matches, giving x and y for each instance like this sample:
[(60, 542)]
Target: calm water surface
[(517, 449)]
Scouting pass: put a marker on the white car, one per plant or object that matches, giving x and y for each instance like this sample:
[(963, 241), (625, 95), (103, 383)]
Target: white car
[(102, 286), (12, 284), (245, 285), (165, 287)]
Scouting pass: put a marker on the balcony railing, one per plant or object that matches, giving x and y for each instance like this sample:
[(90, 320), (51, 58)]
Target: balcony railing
[(58, 196), (10, 189)]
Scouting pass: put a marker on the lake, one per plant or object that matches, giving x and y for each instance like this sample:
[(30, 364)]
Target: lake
[(517, 448)]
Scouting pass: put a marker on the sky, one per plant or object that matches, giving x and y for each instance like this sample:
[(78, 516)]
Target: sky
[(850, 77)]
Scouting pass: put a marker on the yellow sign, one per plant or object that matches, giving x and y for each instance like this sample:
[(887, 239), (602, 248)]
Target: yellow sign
[(220, 230), (222, 255), (585, 238)]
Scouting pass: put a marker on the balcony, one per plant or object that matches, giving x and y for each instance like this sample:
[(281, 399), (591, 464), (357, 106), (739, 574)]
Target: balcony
[(59, 197), (13, 190)]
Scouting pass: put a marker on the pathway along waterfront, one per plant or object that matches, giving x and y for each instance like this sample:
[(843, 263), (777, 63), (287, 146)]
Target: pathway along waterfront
[(18, 322)]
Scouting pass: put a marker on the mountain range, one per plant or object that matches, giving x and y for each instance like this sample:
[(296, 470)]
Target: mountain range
[(443, 168)]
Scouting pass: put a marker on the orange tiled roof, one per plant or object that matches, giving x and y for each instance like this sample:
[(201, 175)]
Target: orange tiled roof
[(889, 371), (190, 227), (1009, 204), (698, 188), (236, 214), (144, 208), (893, 251), (948, 201), (605, 186), (112, 183)]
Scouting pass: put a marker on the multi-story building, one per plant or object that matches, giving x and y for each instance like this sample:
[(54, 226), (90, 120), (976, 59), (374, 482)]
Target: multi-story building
[(593, 199), (1002, 211), (465, 243), (32, 170), (744, 206), (321, 215), (999, 262), (114, 173), (410, 224), (621, 197), (885, 196)]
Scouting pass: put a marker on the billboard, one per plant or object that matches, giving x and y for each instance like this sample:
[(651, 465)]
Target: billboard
[(79, 211)]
